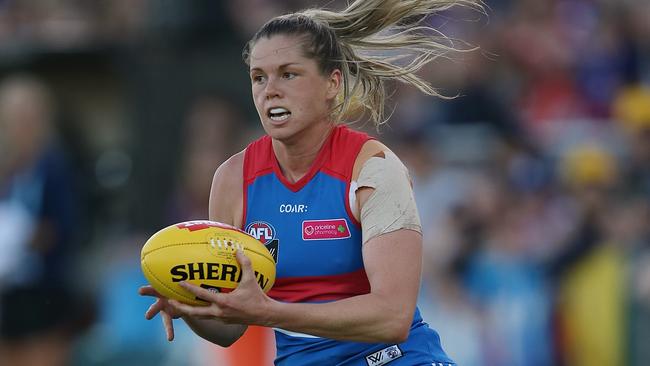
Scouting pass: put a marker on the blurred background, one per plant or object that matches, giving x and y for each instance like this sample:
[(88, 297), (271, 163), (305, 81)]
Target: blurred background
[(533, 183)]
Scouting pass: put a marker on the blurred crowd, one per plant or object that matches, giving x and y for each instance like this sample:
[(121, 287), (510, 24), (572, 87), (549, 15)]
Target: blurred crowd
[(532, 178)]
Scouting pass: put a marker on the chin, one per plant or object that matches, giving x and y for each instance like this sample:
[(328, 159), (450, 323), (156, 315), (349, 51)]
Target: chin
[(281, 132)]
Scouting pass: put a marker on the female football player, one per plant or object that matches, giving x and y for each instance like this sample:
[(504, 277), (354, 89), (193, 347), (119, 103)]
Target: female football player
[(336, 205)]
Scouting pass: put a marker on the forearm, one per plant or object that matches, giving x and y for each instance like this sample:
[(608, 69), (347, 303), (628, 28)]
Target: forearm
[(364, 318), (383, 315), (215, 331)]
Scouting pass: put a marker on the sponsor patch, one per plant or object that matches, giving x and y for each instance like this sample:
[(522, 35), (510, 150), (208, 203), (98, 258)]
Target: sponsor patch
[(325, 229), (384, 356)]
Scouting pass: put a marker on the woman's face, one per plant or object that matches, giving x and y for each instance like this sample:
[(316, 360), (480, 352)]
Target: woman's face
[(290, 93)]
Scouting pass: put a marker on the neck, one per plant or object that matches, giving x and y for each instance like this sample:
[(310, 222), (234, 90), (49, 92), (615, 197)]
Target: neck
[(296, 157)]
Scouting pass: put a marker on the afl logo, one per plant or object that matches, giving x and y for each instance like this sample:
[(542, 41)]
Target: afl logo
[(261, 231)]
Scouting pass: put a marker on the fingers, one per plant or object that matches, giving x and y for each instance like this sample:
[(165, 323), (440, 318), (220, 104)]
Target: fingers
[(194, 311), (158, 307), (200, 292), (169, 325), (148, 291), (154, 309), (246, 267)]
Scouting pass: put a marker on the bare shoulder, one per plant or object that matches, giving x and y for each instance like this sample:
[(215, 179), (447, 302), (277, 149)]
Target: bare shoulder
[(369, 149), (226, 192)]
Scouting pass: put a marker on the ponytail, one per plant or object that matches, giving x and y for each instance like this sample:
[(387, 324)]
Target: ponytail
[(371, 42)]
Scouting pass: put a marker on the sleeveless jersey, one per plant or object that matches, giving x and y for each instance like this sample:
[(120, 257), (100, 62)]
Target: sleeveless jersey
[(309, 228)]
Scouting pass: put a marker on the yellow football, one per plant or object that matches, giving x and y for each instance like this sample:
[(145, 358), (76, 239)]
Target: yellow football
[(202, 253)]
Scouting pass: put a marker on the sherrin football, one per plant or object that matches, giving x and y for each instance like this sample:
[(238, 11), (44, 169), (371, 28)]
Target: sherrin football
[(202, 253)]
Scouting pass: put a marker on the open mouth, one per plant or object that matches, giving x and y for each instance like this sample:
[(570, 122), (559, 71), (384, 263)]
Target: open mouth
[(278, 114)]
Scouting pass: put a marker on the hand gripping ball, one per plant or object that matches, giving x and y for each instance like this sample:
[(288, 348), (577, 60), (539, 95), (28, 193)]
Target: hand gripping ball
[(202, 253)]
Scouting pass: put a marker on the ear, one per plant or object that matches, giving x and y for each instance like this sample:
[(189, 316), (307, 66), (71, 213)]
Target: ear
[(334, 83)]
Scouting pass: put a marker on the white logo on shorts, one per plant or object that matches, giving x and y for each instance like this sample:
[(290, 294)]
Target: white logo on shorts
[(384, 356)]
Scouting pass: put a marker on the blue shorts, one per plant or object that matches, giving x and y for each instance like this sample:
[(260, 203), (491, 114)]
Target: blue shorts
[(422, 348)]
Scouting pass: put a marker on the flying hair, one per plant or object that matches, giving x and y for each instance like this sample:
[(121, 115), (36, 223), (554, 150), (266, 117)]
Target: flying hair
[(371, 42)]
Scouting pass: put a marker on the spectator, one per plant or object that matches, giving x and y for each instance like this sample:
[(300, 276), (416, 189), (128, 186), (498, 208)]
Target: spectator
[(37, 206)]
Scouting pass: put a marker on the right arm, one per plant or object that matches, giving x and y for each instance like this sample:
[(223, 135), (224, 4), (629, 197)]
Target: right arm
[(226, 206)]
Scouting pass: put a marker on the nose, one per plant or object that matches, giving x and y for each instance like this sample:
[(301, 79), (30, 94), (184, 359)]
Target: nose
[(271, 90)]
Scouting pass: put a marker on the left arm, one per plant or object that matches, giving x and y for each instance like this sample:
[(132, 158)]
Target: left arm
[(383, 315), (393, 264)]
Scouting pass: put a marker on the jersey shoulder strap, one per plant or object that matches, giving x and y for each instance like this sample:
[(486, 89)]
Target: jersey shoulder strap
[(258, 159), (345, 146)]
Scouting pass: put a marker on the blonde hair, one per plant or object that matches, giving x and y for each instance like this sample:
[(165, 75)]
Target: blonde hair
[(371, 42)]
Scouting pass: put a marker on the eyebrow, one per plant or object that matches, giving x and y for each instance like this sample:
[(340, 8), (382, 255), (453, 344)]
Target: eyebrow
[(281, 67)]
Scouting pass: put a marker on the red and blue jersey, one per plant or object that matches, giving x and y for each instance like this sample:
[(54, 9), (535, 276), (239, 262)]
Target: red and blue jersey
[(309, 228)]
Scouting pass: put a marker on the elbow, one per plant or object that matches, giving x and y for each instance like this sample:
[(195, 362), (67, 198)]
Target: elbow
[(396, 328), (219, 340), (225, 342), (224, 337), (400, 335), (398, 331)]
